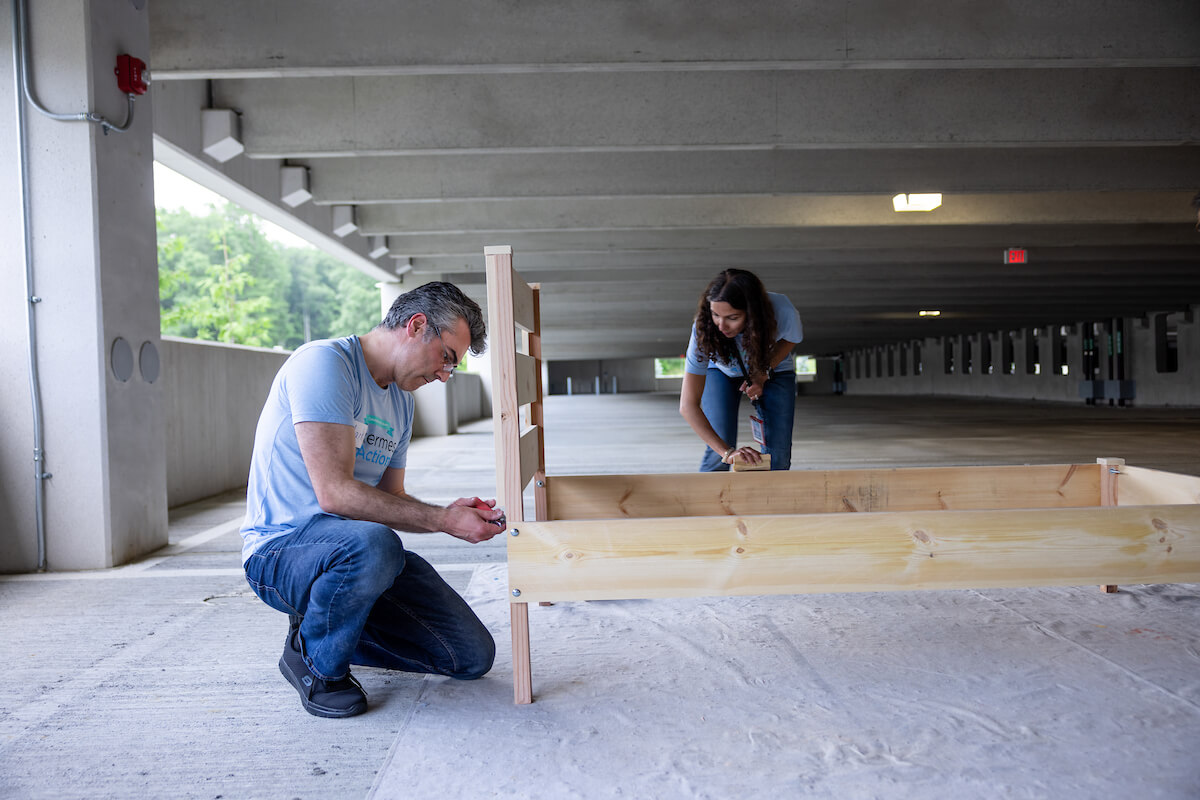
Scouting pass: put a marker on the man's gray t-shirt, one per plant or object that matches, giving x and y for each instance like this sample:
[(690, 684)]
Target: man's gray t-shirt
[(323, 381)]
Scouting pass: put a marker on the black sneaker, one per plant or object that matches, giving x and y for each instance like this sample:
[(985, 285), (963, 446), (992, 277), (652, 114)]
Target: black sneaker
[(321, 698)]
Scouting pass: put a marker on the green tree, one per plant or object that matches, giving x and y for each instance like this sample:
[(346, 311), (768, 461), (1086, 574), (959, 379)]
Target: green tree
[(222, 279)]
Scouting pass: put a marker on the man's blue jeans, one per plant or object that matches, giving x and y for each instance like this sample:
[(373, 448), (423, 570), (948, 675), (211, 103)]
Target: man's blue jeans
[(366, 600), (720, 405)]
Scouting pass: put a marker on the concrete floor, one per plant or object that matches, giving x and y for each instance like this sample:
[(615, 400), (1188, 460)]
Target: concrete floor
[(158, 679)]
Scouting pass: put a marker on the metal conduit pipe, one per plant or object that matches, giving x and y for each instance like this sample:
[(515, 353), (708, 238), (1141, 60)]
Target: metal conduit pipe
[(21, 51), (39, 473)]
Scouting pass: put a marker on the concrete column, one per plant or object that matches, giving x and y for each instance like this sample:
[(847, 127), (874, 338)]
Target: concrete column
[(95, 268), (388, 292)]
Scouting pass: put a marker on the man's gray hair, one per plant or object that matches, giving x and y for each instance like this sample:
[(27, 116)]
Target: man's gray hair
[(443, 304)]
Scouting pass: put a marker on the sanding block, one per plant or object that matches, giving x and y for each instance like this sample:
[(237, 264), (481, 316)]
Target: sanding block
[(742, 466)]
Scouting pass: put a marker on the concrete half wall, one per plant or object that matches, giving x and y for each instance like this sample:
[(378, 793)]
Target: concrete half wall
[(215, 392)]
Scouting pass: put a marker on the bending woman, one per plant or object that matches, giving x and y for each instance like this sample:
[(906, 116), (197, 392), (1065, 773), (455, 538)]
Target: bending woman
[(741, 343)]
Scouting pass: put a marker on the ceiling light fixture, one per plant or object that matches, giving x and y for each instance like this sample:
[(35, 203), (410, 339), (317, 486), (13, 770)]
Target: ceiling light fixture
[(221, 133), (293, 185), (344, 222), (379, 246), (929, 313), (916, 202)]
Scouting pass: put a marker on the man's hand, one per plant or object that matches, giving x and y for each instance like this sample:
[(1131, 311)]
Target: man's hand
[(473, 520)]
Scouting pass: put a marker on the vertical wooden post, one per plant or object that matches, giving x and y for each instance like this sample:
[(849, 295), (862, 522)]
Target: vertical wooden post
[(1110, 468), (536, 417), (522, 668), (507, 432)]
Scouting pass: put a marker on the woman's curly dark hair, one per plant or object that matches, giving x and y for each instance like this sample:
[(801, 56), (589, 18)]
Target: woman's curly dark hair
[(744, 291)]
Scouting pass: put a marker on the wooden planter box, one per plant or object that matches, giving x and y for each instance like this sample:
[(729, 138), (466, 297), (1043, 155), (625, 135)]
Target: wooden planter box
[(709, 534)]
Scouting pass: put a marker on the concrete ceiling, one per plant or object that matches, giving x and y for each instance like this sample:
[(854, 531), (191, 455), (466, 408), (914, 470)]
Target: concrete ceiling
[(628, 151)]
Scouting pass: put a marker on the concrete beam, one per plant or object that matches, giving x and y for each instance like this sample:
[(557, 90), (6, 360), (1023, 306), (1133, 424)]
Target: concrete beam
[(252, 184), (713, 111), (499, 217), (566, 244), (306, 37), (403, 179), (627, 265)]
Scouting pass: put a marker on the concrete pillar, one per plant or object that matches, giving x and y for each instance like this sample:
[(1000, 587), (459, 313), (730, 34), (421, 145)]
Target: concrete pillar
[(388, 292), (95, 268)]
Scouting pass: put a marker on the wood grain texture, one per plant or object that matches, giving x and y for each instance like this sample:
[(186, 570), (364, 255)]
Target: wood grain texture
[(701, 556), (525, 370), (505, 407), (522, 672), (530, 453), (516, 382), (822, 491), (1137, 486)]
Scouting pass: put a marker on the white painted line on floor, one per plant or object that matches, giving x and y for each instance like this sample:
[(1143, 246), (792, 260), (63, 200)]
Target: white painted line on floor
[(216, 531), (183, 545)]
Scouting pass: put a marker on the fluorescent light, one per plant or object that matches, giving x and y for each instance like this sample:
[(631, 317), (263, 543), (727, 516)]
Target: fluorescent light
[(916, 202), (929, 313)]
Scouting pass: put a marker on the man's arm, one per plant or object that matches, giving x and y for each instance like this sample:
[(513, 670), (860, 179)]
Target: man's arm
[(328, 453)]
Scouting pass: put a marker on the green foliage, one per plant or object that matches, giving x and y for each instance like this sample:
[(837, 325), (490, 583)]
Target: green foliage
[(221, 279), (668, 367)]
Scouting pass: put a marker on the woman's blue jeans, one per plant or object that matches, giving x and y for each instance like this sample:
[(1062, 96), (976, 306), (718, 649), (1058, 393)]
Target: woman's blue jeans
[(720, 405), (364, 599)]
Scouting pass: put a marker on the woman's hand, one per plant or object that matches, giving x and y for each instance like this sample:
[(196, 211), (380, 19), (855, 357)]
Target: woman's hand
[(743, 455), (753, 388)]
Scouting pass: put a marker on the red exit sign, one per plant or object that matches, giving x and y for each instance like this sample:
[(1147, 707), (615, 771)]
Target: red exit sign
[(1016, 255)]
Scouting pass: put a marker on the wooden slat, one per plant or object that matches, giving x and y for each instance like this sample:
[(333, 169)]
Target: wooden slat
[(534, 342), (541, 504), (819, 491), (530, 448), (701, 556), (523, 303), (1138, 486), (526, 375), (1110, 468)]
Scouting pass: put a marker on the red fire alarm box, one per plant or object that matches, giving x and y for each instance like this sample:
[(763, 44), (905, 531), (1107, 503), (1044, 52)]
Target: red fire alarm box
[(131, 74), (1016, 255)]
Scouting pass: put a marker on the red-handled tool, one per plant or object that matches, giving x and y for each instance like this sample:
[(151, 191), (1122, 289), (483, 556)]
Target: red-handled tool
[(482, 506)]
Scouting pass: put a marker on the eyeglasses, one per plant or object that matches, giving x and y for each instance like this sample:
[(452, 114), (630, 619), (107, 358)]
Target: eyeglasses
[(449, 357)]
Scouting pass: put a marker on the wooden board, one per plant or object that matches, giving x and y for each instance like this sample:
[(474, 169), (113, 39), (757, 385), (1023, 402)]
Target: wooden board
[(702, 556), (530, 454), (822, 491), (1137, 486), (526, 373)]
